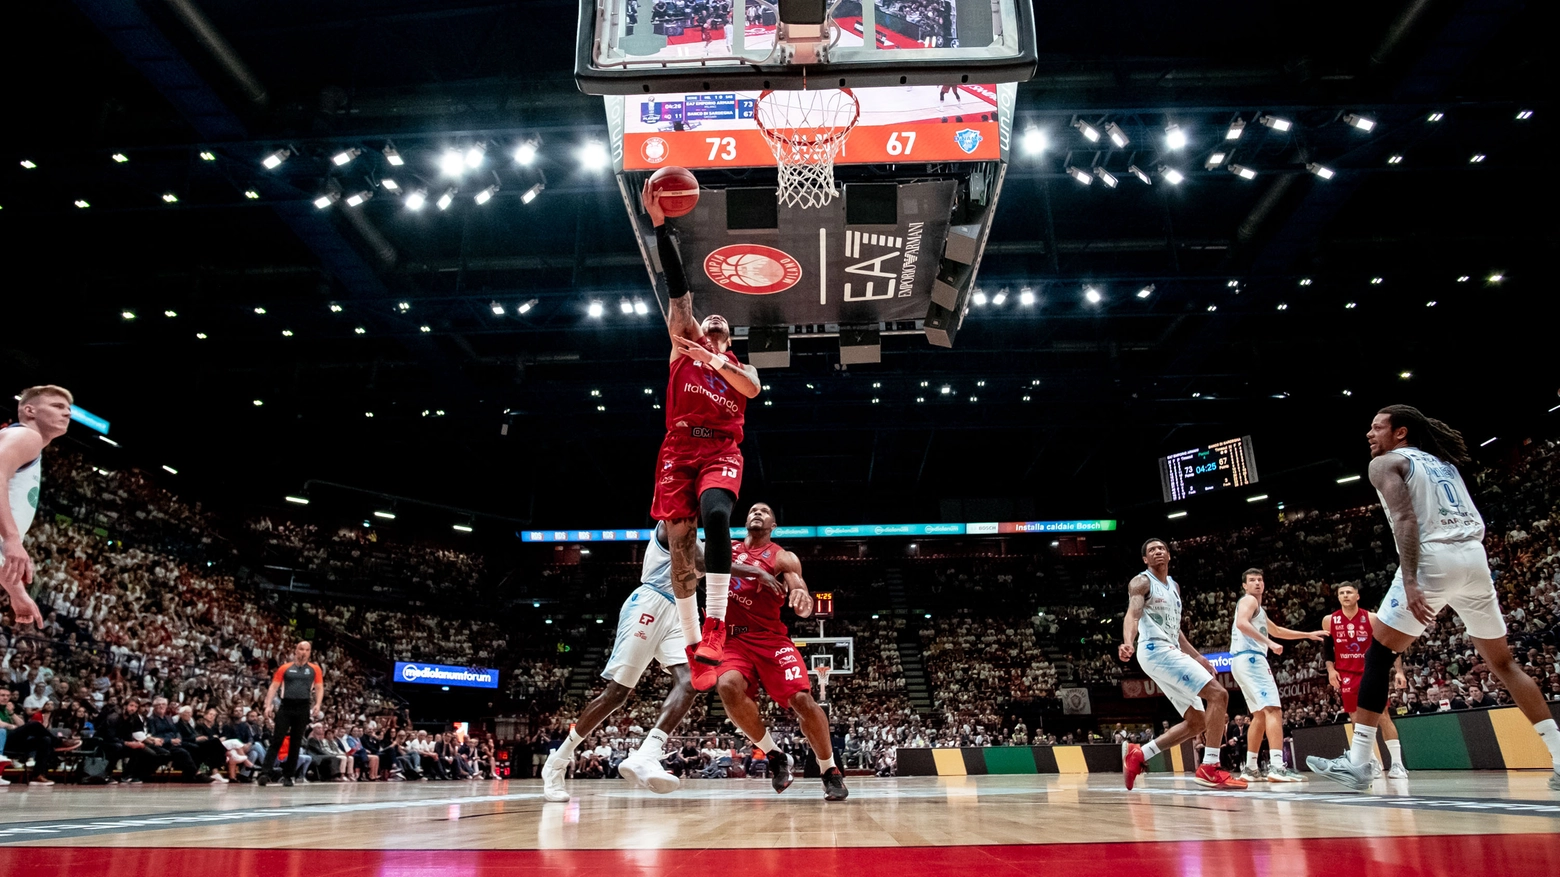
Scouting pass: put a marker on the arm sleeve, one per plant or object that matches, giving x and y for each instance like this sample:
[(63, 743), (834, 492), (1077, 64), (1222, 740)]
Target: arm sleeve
[(671, 262), (280, 676), (319, 675), (1327, 649)]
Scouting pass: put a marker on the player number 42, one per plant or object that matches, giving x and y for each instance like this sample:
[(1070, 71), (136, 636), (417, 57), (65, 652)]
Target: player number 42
[(793, 673), (896, 146), (724, 148)]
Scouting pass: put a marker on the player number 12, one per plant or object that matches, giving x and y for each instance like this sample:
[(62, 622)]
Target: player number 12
[(723, 147), (898, 147)]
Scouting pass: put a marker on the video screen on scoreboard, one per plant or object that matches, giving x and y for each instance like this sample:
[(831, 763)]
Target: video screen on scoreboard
[(1221, 465)]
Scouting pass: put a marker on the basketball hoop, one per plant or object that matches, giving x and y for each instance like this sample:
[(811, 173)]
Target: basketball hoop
[(823, 682), (806, 130)]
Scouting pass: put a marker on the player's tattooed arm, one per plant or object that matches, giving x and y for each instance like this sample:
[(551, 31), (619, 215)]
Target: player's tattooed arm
[(1388, 474), (680, 321), (1137, 598), (685, 557)]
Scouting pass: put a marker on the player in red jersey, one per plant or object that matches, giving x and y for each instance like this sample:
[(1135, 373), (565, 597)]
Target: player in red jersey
[(1348, 636), (759, 653), (699, 468)]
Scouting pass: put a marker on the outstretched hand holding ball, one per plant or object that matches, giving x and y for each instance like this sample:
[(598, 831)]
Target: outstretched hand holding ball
[(670, 192)]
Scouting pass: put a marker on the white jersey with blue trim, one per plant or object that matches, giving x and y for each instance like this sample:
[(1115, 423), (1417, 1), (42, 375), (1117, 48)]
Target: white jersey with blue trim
[(1162, 611), (1240, 642), (25, 486), (1441, 501), (656, 573)]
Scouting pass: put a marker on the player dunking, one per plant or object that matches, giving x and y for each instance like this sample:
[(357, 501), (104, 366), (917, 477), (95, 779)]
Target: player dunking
[(1251, 636), (43, 415), (1441, 561), (1152, 629), (759, 653), (1348, 637), (699, 468)]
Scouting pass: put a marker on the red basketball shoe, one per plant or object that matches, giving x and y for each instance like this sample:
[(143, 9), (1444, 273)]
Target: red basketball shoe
[(1215, 777), (703, 675), (1132, 763), (712, 648)]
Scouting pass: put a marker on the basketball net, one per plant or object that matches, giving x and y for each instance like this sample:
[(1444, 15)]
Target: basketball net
[(806, 130)]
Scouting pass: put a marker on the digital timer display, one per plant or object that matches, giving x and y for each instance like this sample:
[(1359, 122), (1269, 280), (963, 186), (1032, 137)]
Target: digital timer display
[(1230, 463)]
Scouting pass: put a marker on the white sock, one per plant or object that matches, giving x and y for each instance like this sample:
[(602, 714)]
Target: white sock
[(717, 587), (766, 745), (566, 751), (824, 764), (688, 614), (654, 745), (1150, 749), (1395, 749), (1211, 755), (1364, 749), (1251, 759), (1550, 734), (1275, 759)]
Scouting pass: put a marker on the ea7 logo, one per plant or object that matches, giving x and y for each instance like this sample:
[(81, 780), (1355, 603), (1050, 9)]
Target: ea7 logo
[(646, 618)]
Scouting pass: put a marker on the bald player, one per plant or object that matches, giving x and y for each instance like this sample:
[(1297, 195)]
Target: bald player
[(42, 415)]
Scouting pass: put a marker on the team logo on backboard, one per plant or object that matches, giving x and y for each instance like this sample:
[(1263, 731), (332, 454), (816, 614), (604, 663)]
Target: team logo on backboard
[(654, 150), (752, 269), (967, 139)]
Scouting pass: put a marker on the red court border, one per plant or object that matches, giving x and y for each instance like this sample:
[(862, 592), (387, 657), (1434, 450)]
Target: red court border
[(1372, 856)]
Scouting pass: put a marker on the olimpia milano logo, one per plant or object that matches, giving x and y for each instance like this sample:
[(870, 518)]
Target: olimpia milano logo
[(752, 269)]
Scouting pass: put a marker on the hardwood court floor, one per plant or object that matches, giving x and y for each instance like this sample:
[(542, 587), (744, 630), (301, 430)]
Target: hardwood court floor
[(1503, 822)]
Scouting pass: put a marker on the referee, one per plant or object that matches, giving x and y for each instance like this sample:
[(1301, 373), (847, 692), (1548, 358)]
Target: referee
[(302, 686)]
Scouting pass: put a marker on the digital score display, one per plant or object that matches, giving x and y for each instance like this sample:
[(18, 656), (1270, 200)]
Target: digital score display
[(823, 604), (1221, 465)]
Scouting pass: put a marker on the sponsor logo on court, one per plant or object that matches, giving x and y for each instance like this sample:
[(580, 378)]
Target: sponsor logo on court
[(654, 150), (968, 139), (752, 269)]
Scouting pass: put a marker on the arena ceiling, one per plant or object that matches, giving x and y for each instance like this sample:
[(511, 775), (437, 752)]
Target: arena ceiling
[(272, 343)]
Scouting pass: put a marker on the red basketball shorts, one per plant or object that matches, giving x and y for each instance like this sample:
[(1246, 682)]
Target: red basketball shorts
[(1349, 688), (688, 466), (769, 661)]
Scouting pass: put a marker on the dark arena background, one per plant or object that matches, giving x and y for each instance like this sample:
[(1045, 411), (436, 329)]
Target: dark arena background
[(363, 319)]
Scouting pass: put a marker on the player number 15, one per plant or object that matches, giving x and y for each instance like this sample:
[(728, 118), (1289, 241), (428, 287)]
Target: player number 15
[(723, 147)]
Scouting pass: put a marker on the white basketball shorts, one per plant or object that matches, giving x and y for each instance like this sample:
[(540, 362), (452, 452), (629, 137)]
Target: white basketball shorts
[(1177, 674), (648, 629), (1455, 574), (1255, 679)]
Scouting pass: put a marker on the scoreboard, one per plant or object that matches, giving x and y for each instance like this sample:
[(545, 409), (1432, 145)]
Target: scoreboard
[(823, 604), (1221, 465)]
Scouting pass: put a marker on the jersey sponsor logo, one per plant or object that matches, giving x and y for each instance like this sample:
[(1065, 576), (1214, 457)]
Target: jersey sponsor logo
[(713, 397), (646, 618), (654, 150), (641, 635), (752, 269)]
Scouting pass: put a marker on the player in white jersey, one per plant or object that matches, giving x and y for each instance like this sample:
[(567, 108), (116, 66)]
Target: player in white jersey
[(1152, 629), (43, 415), (648, 629), (1251, 636), (1441, 562)]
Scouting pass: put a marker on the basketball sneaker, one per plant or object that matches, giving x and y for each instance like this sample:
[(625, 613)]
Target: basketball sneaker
[(1397, 771), (779, 770), (1132, 765), (834, 785), (641, 769), (1341, 771), (1284, 775), (703, 676), (711, 649), (1375, 768), (552, 781), (1214, 777), (1253, 775)]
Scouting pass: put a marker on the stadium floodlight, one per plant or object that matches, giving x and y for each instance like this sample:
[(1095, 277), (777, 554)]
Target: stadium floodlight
[(596, 309), (172, 471), (525, 153), (1348, 478), (1405, 375), (403, 306), (357, 198), (118, 157), (1106, 177), (531, 193), (979, 298), (326, 199), (1305, 281), (1214, 160), (461, 528), (1026, 297), (345, 156), (335, 308), (393, 155), (1175, 137), (1117, 136), (1171, 175), (258, 402), (1089, 132), (1000, 298), (1358, 121), (170, 198), (1435, 117), (1080, 175), (1489, 441), (425, 328), (170, 314), (1236, 128), (390, 184), (1092, 295), (1394, 158), (1258, 498), (1377, 281), (251, 194), (1277, 123), (260, 311), (1146, 291), (526, 306), (486, 195), (82, 203), (1322, 171), (640, 307), (1478, 157), (452, 163), (1283, 306), (475, 154), (1034, 141), (1141, 174), (127, 315), (388, 516), (298, 500), (1523, 116), (416, 199), (274, 159), (593, 155), (29, 164), (625, 306), (498, 309), (444, 200), (1173, 515), (1242, 171), (1495, 277)]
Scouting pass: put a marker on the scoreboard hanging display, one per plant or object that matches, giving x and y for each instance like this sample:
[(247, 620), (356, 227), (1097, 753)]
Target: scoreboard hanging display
[(1221, 465)]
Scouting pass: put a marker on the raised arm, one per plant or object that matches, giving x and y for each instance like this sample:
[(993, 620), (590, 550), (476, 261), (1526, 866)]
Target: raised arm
[(1137, 598), (799, 598), (680, 321), (1389, 475)]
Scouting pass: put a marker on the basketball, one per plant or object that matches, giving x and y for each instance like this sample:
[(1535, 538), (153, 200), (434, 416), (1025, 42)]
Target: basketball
[(678, 188)]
